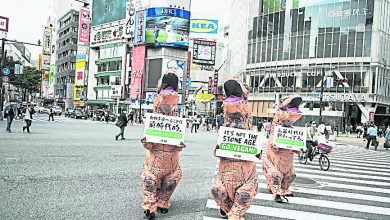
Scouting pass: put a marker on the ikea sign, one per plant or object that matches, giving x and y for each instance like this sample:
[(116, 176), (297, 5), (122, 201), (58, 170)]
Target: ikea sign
[(204, 26)]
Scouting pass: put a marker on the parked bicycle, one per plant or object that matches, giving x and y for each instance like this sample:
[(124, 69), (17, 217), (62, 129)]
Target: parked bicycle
[(320, 150)]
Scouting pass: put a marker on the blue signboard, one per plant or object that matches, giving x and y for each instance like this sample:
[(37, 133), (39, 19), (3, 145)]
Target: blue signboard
[(205, 26), (6, 71)]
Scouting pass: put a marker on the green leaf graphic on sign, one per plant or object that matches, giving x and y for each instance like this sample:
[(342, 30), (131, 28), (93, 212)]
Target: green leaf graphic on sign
[(238, 148), (289, 142), (164, 134)]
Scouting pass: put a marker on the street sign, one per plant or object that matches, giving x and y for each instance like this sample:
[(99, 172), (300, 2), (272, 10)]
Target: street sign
[(6, 71), (5, 79)]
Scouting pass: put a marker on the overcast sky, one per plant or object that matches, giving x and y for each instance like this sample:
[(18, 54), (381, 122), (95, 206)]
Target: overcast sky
[(28, 17)]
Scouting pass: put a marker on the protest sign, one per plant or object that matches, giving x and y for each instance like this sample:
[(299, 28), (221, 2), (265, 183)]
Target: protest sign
[(290, 138), (164, 129), (239, 144)]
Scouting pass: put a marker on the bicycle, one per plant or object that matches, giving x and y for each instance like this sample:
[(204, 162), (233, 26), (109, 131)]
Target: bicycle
[(318, 149)]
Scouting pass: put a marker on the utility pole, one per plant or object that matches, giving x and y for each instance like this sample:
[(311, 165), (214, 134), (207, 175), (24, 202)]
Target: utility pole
[(2, 62), (322, 93)]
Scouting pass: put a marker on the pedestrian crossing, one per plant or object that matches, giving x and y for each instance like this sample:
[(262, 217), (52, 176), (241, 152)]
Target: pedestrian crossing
[(357, 186)]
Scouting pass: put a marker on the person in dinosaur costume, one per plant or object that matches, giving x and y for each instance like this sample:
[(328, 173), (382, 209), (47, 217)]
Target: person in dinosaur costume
[(237, 180), (278, 164), (161, 172)]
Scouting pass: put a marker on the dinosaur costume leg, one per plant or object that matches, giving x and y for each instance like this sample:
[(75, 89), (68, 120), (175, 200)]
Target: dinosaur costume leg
[(273, 176), (150, 184), (221, 196), (288, 179), (168, 186)]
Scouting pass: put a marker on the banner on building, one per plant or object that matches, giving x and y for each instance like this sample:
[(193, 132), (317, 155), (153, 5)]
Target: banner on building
[(84, 25), (162, 129), (46, 62), (40, 62), (290, 138), (106, 35), (79, 79), (130, 21), (46, 44), (137, 72), (239, 144), (210, 86), (215, 82), (106, 11), (204, 52), (204, 26), (4, 23), (139, 27)]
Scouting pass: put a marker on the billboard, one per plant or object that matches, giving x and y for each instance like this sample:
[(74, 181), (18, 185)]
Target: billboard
[(204, 26), (4, 24), (46, 62), (106, 35), (46, 45), (84, 25), (167, 27), (204, 52), (139, 27), (137, 73), (106, 11), (79, 78)]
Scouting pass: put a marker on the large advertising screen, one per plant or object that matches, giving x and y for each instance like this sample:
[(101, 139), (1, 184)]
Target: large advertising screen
[(167, 27), (106, 11), (204, 52)]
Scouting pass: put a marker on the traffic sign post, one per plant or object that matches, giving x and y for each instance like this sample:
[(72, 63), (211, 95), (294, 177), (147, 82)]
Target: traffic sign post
[(6, 71)]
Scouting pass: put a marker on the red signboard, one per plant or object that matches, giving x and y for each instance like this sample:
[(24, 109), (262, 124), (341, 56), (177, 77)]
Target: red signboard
[(137, 72), (210, 85), (84, 25), (215, 85)]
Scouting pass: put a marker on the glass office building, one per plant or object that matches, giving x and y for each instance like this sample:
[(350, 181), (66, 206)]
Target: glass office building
[(296, 46)]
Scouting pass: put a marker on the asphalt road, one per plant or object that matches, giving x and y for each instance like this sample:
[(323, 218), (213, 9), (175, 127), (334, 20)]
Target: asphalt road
[(72, 169)]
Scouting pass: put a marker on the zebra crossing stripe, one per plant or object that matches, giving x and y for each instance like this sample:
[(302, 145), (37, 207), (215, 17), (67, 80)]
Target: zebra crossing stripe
[(330, 204), (352, 165), (338, 174), (316, 167), (209, 218), (366, 160), (283, 213), (338, 194)]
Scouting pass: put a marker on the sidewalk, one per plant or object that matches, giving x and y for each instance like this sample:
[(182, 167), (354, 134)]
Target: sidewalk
[(353, 138)]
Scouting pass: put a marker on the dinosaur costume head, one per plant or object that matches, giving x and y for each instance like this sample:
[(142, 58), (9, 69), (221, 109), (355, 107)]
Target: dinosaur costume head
[(237, 109), (288, 110), (167, 100)]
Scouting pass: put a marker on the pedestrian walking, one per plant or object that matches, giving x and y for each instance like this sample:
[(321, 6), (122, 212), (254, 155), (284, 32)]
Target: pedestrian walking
[(387, 137), (51, 114), (372, 134), (259, 126), (10, 112), (348, 129), (268, 127), (194, 123), (359, 130), (131, 117), (121, 123), (106, 116), (220, 120), (28, 116)]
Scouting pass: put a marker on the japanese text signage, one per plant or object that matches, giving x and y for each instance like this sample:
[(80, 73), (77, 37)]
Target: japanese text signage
[(130, 20), (239, 144), (290, 138), (47, 35), (4, 24), (139, 27), (106, 35), (162, 129), (204, 52), (84, 25)]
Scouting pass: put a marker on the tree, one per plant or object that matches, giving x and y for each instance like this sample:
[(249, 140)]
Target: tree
[(28, 82)]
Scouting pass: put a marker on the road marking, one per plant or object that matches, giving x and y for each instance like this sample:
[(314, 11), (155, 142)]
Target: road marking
[(329, 204), (367, 160), (316, 167), (283, 213), (330, 193)]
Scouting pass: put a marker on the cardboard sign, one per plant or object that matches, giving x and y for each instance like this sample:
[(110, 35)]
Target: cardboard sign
[(162, 129), (290, 138), (239, 144)]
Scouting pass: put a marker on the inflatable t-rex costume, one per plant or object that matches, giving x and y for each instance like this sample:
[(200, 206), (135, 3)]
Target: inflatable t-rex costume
[(278, 164), (161, 171), (237, 180)]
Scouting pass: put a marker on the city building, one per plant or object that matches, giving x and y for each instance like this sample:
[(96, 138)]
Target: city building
[(65, 53), (300, 46)]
